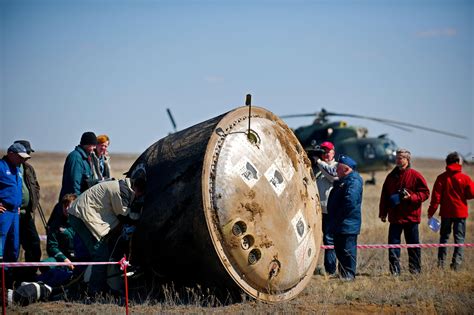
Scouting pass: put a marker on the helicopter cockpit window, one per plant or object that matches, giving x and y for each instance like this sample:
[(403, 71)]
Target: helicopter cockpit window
[(369, 152), (390, 150)]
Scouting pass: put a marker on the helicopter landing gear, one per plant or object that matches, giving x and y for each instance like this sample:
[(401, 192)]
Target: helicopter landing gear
[(372, 180)]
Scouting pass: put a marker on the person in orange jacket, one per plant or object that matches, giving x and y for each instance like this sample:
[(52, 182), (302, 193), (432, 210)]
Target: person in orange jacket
[(451, 191)]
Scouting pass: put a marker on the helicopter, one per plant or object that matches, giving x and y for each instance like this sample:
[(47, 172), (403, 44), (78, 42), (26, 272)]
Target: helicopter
[(372, 154)]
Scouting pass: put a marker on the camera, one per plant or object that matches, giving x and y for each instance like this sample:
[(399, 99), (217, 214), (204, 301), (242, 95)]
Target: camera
[(398, 196), (403, 193), (316, 151)]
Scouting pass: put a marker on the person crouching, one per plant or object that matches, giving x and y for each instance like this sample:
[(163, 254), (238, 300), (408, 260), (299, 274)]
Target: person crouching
[(96, 216)]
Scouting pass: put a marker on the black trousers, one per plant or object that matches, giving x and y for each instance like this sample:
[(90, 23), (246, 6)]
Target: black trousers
[(411, 237), (30, 242)]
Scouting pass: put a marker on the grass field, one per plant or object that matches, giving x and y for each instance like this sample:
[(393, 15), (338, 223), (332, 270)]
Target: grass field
[(374, 291)]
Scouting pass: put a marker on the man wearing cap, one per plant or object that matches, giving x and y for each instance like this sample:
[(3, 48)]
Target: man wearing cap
[(451, 191), (403, 192), (77, 173), (10, 201), (344, 210), (324, 168), (29, 238)]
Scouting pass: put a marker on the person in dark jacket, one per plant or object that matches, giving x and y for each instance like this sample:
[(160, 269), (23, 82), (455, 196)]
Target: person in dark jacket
[(344, 210), (403, 192), (63, 245), (10, 201), (78, 175), (60, 238), (29, 238), (451, 191)]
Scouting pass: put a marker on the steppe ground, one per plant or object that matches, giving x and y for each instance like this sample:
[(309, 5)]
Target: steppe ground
[(374, 291)]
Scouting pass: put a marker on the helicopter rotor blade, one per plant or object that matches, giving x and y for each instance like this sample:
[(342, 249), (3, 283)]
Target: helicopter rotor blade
[(466, 159), (171, 119), (299, 115), (324, 113), (393, 123), (398, 127), (401, 123)]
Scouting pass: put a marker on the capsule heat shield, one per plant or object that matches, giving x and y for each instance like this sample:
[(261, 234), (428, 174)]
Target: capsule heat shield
[(228, 206)]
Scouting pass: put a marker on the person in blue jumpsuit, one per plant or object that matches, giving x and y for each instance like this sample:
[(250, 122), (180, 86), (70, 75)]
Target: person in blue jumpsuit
[(10, 201)]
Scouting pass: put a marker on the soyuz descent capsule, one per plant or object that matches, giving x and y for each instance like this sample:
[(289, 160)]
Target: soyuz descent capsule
[(230, 204)]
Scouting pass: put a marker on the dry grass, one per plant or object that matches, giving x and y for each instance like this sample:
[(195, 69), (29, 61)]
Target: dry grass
[(374, 291)]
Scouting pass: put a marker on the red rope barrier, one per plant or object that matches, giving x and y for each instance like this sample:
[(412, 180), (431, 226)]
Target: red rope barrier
[(64, 264), (372, 246), (124, 263), (123, 266)]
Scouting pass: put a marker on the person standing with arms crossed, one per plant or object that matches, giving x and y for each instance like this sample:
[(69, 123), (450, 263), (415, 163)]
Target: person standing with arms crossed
[(403, 192), (451, 191)]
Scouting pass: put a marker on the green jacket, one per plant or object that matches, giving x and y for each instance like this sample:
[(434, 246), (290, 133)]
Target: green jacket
[(77, 173), (60, 241)]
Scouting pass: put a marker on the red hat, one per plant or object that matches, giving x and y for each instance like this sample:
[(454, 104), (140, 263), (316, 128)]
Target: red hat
[(327, 145)]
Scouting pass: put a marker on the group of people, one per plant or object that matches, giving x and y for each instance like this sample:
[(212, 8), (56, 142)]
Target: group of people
[(94, 209), (91, 211), (403, 192)]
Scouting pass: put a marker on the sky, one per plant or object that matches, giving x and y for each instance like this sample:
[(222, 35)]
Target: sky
[(114, 67)]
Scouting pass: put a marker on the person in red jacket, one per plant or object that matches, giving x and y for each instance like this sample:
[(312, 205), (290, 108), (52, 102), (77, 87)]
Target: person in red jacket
[(403, 192), (451, 191)]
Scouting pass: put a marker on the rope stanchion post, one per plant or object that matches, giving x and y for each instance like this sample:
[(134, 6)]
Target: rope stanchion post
[(4, 306), (123, 265)]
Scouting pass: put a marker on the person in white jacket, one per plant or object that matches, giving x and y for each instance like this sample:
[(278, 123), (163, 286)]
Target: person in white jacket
[(324, 168), (96, 216)]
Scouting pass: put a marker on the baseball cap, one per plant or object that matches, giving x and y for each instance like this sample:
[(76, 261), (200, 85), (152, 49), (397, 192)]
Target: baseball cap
[(327, 145), (26, 144), (344, 159), (19, 149)]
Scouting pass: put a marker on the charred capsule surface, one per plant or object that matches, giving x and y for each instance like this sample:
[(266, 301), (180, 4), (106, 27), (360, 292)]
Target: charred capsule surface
[(227, 209)]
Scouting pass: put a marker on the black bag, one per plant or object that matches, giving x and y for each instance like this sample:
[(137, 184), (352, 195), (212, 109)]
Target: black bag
[(30, 292)]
